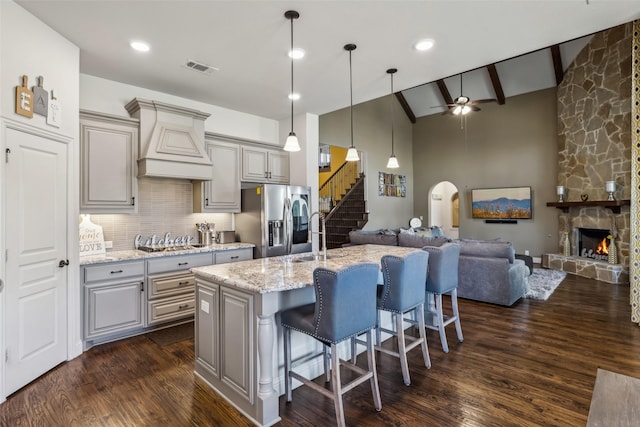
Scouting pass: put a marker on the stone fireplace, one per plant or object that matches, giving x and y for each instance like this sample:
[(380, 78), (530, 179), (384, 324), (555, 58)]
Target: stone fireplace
[(594, 146)]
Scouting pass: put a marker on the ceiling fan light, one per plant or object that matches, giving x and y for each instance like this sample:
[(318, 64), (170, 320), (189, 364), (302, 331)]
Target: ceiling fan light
[(291, 144), (457, 110), (352, 155), (296, 53), (465, 110), (393, 162)]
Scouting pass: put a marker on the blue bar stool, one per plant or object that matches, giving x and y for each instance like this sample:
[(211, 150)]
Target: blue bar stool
[(345, 307), (403, 292), (443, 279)]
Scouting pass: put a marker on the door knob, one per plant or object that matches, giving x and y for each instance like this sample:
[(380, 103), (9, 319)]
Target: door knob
[(63, 262)]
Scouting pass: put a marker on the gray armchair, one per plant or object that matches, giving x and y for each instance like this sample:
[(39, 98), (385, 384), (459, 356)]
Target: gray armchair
[(490, 272)]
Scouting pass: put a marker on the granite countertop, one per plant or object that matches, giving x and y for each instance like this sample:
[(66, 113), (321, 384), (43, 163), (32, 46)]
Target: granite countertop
[(134, 254), (284, 272)]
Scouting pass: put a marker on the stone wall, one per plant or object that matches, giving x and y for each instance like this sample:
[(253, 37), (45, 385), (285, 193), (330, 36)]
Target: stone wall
[(594, 133)]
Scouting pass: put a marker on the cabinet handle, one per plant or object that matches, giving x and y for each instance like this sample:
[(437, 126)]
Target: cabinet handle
[(269, 175), (116, 271), (206, 201), (183, 306), (133, 201), (63, 262), (141, 286), (186, 282), (180, 264), (235, 257)]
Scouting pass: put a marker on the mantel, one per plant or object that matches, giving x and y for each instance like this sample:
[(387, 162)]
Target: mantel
[(614, 205)]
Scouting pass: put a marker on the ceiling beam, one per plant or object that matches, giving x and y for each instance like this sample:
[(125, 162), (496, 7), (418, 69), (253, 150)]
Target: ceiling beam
[(444, 92), (495, 81), (406, 107), (556, 56)]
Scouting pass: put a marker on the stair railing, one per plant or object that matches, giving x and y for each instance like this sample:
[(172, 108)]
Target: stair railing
[(340, 181), (359, 182)]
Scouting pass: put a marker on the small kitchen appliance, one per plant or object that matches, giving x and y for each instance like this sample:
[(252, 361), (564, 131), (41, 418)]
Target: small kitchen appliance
[(225, 236)]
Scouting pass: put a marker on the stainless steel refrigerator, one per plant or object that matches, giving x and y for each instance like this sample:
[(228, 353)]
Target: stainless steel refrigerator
[(275, 218)]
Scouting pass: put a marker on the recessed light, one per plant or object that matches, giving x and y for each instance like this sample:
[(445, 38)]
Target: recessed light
[(423, 45), (140, 46), (296, 53), (294, 96)]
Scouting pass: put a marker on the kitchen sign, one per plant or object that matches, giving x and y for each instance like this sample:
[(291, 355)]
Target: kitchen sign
[(91, 237)]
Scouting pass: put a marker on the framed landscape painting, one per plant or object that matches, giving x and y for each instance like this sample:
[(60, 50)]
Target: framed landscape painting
[(501, 203)]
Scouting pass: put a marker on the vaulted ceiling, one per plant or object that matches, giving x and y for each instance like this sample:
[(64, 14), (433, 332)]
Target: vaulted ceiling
[(247, 42)]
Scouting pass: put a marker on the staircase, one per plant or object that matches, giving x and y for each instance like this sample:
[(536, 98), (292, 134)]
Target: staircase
[(348, 214)]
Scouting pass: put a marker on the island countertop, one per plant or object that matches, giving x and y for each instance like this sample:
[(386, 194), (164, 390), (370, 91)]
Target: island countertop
[(288, 272)]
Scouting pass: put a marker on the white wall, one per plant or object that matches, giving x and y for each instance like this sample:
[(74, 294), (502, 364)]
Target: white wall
[(107, 96), (29, 47)]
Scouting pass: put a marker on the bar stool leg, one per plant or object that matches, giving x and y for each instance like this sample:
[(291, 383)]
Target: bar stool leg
[(454, 306), (402, 350), (336, 385), (327, 364), (286, 336), (371, 359), (419, 311), (443, 335)]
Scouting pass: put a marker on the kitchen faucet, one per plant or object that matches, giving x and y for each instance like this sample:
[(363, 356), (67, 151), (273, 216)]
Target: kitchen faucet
[(323, 232)]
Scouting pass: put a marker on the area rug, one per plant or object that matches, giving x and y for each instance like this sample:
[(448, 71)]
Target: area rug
[(172, 335), (542, 283)]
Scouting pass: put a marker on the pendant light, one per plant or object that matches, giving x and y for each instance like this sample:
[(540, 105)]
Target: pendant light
[(291, 144), (393, 161), (352, 153)]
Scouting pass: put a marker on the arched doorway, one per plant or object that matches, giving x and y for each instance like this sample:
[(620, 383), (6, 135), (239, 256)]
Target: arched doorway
[(444, 208)]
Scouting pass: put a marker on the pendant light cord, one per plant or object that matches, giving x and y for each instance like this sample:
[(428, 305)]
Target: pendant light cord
[(351, 96), (392, 118), (291, 53)]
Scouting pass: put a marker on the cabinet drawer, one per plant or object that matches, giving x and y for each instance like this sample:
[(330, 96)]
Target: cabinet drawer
[(234, 255), (113, 271), (159, 286), (170, 309), (178, 262)]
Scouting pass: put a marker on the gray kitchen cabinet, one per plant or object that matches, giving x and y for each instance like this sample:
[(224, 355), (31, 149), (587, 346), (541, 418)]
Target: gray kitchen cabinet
[(113, 299), (222, 192), (108, 155), (234, 255), (170, 286), (261, 164), (225, 336)]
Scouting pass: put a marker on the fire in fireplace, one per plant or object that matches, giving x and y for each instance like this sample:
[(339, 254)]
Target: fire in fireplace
[(593, 243)]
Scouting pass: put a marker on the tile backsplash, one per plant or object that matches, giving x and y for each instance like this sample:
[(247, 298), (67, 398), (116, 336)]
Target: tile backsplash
[(165, 205)]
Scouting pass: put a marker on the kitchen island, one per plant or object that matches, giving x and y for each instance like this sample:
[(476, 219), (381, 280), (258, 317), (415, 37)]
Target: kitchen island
[(238, 339)]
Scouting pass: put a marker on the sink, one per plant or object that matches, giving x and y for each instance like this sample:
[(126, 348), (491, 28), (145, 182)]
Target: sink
[(314, 258)]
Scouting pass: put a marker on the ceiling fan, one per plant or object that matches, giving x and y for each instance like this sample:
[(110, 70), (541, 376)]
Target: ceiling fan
[(462, 105)]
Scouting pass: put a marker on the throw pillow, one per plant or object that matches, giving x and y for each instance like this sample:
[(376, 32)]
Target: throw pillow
[(417, 241)]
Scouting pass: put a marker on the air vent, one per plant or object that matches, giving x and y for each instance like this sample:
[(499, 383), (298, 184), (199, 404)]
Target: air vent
[(200, 67)]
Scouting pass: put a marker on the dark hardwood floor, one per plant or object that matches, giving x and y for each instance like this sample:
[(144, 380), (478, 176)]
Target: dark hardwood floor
[(530, 365)]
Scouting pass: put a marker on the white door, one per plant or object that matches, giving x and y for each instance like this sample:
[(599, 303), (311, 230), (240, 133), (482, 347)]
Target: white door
[(35, 319)]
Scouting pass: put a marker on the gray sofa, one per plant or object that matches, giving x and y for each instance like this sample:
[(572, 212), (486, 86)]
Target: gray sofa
[(488, 271)]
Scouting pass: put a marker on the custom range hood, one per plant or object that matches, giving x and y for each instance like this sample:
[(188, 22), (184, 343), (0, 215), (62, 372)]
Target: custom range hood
[(171, 141)]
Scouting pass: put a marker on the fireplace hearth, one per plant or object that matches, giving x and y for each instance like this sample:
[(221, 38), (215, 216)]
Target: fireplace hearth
[(593, 243)]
